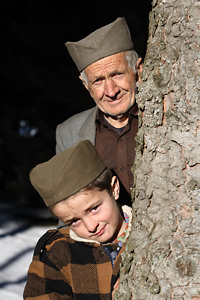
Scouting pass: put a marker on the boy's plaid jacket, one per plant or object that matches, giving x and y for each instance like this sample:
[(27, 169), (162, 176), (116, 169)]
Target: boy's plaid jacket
[(71, 268)]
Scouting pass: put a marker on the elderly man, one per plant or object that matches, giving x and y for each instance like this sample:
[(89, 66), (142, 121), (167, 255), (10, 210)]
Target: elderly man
[(109, 69)]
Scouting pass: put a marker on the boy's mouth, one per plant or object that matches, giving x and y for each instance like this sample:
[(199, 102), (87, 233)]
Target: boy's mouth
[(100, 232)]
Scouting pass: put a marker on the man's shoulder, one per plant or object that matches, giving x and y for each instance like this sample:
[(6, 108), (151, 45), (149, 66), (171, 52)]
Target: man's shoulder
[(79, 118), (78, 127)]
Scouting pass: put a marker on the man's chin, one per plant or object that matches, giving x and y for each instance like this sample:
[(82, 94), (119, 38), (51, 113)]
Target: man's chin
[(118, 110), (117, 115)]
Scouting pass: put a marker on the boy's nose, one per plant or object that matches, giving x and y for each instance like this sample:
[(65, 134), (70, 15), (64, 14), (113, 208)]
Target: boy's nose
[(91, 225)]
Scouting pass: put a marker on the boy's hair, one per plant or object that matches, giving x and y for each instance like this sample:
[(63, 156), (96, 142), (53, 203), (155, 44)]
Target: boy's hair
[(101, 183)]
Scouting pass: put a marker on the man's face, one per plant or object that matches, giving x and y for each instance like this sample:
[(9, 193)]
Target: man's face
[(92, 215), (112, 84)]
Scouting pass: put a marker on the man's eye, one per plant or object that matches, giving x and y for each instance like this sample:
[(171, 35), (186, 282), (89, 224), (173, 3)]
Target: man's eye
[(118, 74), (96, 81)]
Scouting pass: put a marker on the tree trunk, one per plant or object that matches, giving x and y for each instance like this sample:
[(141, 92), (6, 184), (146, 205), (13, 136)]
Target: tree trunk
[(162, 257)]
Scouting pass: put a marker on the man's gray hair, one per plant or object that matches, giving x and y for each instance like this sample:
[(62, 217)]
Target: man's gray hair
[(131, 57)]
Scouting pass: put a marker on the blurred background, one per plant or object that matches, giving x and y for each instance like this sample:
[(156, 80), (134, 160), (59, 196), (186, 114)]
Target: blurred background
[(40, 87)]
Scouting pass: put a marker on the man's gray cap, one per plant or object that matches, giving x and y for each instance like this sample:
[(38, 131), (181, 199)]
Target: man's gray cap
[(108, 40)]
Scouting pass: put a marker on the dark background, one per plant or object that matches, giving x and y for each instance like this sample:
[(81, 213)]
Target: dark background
[(39, 81)]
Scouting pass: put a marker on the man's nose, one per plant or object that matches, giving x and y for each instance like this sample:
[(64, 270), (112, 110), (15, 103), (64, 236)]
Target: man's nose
[(91, 224), (111, 88)]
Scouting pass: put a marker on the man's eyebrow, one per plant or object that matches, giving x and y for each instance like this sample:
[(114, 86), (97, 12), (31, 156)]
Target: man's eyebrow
[(94, 78)]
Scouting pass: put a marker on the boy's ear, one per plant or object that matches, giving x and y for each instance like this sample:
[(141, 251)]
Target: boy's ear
[(115, 187)]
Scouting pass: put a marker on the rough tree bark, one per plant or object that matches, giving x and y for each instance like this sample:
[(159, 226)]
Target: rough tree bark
[(162, 256)]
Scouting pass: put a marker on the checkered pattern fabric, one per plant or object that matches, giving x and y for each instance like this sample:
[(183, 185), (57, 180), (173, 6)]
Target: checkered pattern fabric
[(63, 268)]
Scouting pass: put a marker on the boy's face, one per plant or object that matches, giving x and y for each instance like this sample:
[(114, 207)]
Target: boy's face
[(93, 215)]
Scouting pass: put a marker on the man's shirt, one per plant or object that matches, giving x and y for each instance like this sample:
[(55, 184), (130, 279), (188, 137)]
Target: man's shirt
[(116, 146)]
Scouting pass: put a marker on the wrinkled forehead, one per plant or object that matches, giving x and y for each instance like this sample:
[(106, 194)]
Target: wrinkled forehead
[(112, 63)]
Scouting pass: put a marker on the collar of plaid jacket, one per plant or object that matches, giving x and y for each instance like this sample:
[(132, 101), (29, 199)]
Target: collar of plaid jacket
[(126, 209)]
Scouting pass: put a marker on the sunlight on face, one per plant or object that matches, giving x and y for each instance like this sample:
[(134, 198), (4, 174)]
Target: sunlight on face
[(92, 215), (112, 84)]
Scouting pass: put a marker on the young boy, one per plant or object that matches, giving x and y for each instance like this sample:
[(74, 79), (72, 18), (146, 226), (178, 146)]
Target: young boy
[(80, 261)]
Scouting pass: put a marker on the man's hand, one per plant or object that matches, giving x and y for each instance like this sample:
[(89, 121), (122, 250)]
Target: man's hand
[(115, 288)]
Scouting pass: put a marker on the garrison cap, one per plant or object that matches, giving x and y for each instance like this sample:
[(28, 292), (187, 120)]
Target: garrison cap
[(67, 172), (105, 41)]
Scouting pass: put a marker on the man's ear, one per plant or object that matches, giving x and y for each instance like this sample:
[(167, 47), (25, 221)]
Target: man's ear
[(139, 67), (83, 82), (115, 187)]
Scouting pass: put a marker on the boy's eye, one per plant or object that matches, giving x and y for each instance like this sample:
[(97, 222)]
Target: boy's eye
[(95, 208), (74, 222)]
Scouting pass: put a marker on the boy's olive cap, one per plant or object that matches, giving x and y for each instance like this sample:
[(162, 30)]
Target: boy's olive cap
[(108, 40), (67, 172)]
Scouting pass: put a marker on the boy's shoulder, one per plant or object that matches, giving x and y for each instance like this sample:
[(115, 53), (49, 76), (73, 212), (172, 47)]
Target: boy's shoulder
[(59, 240), (55, 234), (57, 249), (50, 238)]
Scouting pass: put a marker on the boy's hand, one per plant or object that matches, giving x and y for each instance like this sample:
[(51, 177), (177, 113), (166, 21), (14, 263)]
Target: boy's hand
[(116, 286)]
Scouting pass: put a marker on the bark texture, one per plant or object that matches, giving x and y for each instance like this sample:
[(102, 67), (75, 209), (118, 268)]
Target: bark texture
[(162, 257)]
